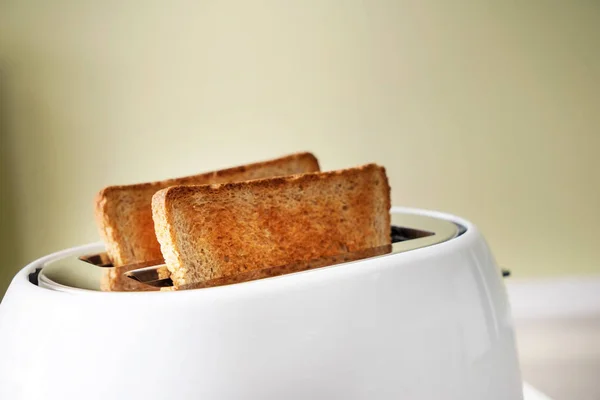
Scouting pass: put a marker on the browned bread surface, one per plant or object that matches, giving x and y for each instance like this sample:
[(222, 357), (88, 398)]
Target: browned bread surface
[(124, 213), (291, 268), (213, 231)]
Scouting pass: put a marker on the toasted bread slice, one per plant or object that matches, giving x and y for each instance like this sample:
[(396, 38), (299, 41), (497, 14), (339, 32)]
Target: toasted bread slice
[(213, 231), (124, 213), (269, 272)]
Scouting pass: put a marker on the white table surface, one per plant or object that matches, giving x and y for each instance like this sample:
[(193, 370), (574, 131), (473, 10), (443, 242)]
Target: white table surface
[(531, 393), (557, 324)]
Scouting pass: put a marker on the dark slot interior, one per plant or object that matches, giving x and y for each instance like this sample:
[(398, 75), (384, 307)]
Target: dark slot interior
[(100, 260), (401, 234), (33, 277)]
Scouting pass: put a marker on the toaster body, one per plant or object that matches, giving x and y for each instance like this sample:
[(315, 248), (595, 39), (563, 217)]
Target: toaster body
[(432, 322)]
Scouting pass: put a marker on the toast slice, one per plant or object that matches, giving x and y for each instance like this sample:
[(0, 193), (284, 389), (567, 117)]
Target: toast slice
[(269, 272), (124, 213), (214, 231)]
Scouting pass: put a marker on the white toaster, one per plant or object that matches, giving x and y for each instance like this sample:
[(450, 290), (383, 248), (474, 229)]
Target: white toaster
[(429, 320)]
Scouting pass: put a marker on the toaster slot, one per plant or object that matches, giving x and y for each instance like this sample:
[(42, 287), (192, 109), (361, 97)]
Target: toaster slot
[(402, 234), (33, 276), (157, 276), (407, 232), (99, 260)]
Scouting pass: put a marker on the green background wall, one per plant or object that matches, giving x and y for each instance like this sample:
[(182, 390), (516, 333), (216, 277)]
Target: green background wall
[(487, 109)]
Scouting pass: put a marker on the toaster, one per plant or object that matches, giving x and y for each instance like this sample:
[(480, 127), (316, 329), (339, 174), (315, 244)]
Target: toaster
[(426, 319)]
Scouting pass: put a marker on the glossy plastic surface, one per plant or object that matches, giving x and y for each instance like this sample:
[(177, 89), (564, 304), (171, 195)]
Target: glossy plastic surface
[(431, 323)]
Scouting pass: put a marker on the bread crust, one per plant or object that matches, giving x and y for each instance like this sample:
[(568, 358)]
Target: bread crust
[(214, 231), (124, 212)]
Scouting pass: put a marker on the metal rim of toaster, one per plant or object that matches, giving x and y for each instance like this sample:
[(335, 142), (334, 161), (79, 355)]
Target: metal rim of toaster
[(418, 231)]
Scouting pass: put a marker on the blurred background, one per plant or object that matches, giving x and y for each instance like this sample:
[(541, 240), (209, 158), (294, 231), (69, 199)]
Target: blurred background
[(490, 110)]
